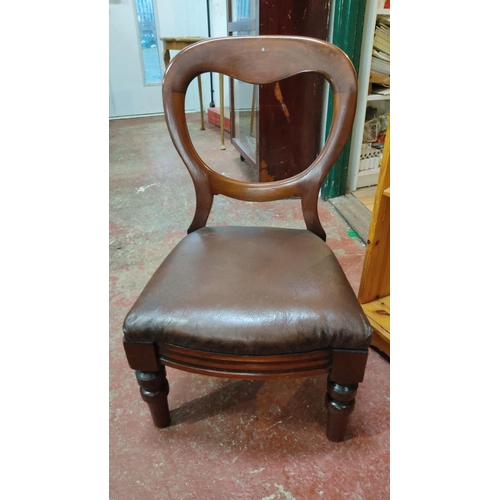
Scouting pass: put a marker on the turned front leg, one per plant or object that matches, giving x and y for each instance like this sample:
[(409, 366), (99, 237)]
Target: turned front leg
[(339, 401), (154, 390), (348, 369)]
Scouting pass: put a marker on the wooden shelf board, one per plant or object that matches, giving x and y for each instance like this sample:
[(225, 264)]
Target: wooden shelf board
[(380, 343), (378, 97), (379, 315), (363, 173), (367, 178)]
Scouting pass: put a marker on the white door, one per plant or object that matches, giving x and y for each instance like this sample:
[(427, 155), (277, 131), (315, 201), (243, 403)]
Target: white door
[(136, 53), (130, 92)]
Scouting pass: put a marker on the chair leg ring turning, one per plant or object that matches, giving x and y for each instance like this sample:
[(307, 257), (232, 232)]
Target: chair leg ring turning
[(154, 391), (339, 402)]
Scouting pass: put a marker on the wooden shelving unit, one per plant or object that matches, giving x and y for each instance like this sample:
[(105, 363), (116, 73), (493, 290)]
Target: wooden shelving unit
[(356, 178), (374, 290)]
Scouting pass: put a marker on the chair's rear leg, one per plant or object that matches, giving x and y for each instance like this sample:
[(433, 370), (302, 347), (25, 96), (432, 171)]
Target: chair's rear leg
[(154, 390), (339, 401), (348, 368)]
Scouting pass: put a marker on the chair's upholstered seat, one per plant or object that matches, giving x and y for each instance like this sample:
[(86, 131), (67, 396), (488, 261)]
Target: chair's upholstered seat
[(250, 290)]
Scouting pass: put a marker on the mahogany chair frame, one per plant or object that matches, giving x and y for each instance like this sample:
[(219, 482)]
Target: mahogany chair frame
[(256, 60)]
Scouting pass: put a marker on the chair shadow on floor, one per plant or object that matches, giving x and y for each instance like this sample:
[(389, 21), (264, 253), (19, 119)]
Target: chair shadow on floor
[(289, 403), (222, 400)]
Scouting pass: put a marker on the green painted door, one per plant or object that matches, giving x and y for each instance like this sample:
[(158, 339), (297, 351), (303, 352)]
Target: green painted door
[(348, 20)]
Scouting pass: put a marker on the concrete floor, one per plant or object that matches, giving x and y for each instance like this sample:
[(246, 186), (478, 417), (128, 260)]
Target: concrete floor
[(228, 439)]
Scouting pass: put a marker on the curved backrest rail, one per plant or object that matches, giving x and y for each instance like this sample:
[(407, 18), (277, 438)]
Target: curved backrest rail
[(259, 60)]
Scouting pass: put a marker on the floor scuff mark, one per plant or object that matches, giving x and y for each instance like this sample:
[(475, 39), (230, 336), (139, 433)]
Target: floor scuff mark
[(143, 188)]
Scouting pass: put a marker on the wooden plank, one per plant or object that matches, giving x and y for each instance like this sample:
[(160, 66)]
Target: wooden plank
[(366, 196), (375, 279), (387, 192), (354, 213), (381, 343), (378, 313)]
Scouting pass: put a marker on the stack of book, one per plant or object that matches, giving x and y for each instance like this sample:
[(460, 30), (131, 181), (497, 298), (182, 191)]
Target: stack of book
[(381, 47)]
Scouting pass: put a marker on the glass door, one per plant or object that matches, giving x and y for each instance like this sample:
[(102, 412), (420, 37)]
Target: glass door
[(243, 20)]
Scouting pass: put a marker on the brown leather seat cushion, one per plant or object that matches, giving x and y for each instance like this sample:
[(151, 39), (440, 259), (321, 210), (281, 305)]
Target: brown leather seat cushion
[(250, 290)]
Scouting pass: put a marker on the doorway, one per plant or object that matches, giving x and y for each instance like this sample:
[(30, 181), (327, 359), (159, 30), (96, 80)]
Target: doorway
[(135, 65), (136, 52)]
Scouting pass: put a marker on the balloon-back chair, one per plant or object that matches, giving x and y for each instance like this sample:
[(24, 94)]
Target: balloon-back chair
[(253, 302)]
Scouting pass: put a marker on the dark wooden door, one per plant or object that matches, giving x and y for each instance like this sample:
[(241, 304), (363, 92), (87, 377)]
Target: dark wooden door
[(290, 111)]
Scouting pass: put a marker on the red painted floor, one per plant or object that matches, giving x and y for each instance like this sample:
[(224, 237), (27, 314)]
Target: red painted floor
[(228, 439)]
